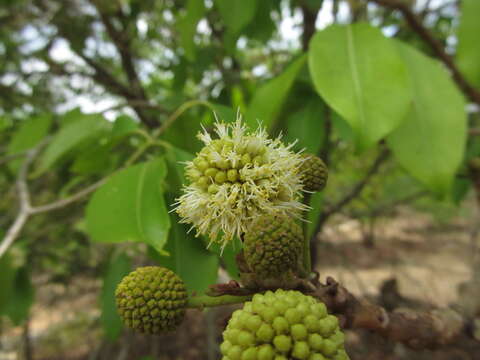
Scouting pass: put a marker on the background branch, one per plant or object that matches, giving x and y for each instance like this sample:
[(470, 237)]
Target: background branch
[(438, 49), (23, 198)]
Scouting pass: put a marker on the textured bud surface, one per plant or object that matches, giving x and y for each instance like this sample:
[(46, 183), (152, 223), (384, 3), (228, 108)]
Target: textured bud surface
[(314, 173), (300, 329), (237, 177), (151, 300), (273, 245)]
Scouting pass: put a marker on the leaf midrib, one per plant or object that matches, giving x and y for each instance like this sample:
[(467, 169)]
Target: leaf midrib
[(355, 77)]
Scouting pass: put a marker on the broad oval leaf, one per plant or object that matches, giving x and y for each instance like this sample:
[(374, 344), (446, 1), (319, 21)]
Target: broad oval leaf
[(118, 267), (131, 207), (361, 76), (430, 142), (29, 134), (307, 126), (268, 99), (69, 137), (468, 50)]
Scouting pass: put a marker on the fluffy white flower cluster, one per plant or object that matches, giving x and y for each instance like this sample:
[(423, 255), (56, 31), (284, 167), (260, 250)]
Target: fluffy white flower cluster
[(238, 177)]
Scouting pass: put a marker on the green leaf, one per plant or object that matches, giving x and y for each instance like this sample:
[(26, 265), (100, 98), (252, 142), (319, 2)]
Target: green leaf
[(7, 280), (224, 113), (228, 256), (118, 267), (262, 25), (94, 159), (268, 99), (468, 51), (131, 207), (70, 137), (187, 26), (123, 125), (236, 15), (460, 189), (21, 298), (30, 133), (307, 126), (188, 258), (176, 169), (360, 75), (4, 123), (430, 142), (316, 203)]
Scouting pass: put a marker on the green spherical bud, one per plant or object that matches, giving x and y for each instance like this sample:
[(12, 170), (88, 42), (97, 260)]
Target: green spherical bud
[(319, 310), (265, 333), (314, 173), (151, 300), (293, 316), (253, 323), (280, 325), (246, 159), (235, 352), (220, 177), (301, 350), (232, 175), (225, 346), (250, 354), (317, 356), (282, 343), (203, 182), (245, 339), (213, 189), (311, 322), (265, 352), (223, 164), (202, 165), (315, 341), (211, 172), (329, 347), (299, 331), (273, 246)]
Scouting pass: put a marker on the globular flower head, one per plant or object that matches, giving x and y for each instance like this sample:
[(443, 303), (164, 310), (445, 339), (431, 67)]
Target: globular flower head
[(283, 325), (237, 177), (273, 246), (151, 300), (314, 173)]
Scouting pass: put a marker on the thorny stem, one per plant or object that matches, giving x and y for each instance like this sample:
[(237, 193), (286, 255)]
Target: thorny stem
[(204, 301)]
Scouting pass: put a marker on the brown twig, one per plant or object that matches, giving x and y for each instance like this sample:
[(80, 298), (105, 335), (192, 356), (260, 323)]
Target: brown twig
[(416, 329), (123, 45), (438, 49)]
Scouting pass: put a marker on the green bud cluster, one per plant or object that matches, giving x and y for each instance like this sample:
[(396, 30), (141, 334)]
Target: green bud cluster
[(221, 163), (314, 173), (273, 245), (283, 325), (151, 300)]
